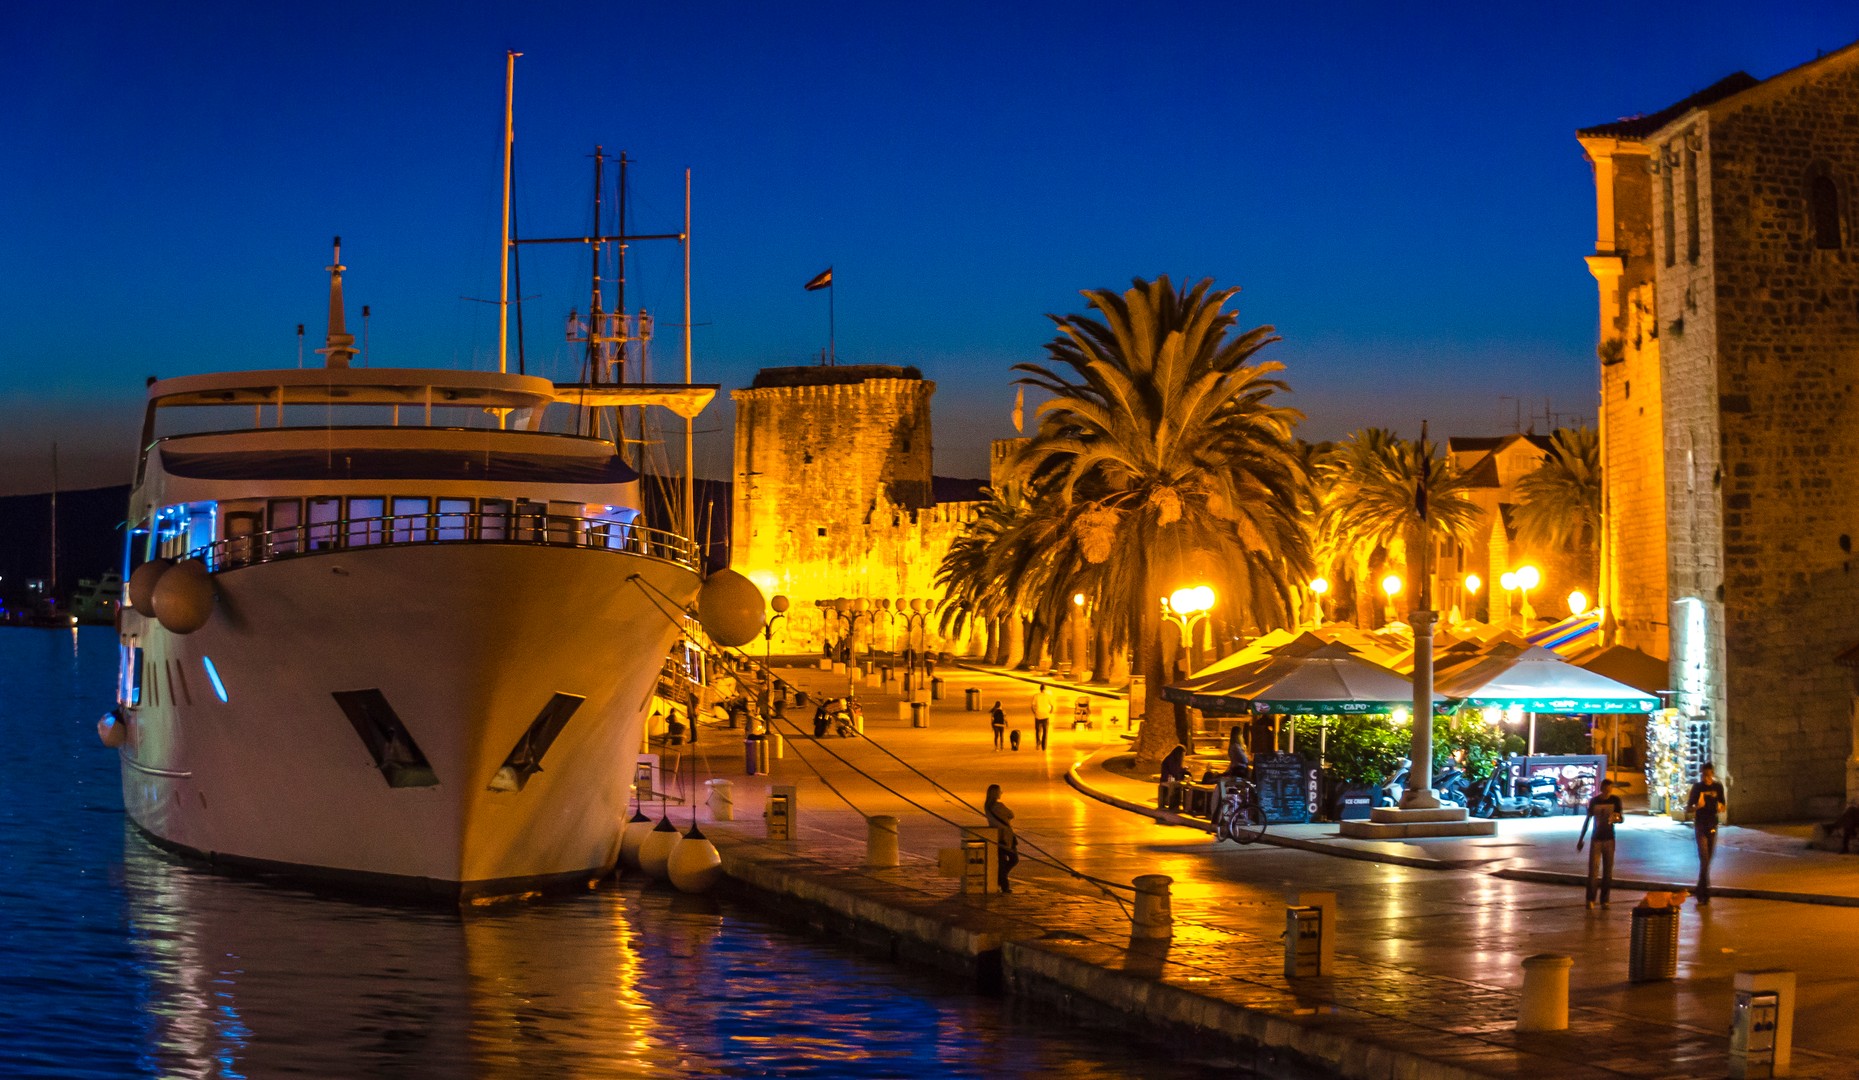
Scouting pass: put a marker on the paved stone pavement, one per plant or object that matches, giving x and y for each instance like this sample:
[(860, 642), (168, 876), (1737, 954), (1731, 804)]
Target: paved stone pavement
[(1432, 947)]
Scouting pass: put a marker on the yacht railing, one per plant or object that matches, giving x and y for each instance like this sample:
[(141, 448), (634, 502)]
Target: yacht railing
[(413, 530)]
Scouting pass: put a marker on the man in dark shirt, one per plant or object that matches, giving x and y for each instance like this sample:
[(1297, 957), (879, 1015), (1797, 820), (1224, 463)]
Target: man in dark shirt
[(1706, 803), (1603, 811)]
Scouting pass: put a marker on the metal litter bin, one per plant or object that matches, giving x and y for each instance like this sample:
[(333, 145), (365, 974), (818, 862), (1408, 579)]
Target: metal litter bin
[(973, 697), (936, 689), (1652, 953)]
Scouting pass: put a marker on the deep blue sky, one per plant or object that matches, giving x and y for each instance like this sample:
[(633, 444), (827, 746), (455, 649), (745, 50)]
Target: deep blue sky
[(1396, 187)]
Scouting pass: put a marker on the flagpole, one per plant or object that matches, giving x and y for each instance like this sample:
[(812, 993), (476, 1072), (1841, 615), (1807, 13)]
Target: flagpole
[(832, 342)]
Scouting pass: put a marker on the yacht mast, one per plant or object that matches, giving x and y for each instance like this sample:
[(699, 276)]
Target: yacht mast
[(339, 346), (503, 261), (690, 467)]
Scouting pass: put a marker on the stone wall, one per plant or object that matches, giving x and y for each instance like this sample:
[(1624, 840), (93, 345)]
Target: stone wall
[(833, 493), (1786, 321)]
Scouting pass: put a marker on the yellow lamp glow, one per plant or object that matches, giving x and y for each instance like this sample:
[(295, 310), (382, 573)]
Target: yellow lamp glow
[(1319, 585), (1391, 585), (1507, 580), (1578, 603), (1078, 599), (1191, 601), (1400, 716), (1472, 584), (1528, 577)]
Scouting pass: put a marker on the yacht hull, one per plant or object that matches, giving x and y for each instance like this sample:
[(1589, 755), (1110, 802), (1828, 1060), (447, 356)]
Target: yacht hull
[(467, 645)]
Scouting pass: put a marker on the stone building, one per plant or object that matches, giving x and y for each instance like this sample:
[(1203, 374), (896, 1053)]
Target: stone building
[(1493, 465), (1729, 348), (834, 496)]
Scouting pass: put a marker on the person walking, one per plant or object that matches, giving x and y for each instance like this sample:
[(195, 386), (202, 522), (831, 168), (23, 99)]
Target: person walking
[(1043, 708), (1009, 845), (1706, 803), (997, 719), (1603, 811)]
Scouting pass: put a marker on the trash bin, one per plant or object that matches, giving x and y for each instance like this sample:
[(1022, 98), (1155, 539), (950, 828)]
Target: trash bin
[(973, 697), (1652, 952), (919, 714), (936, 689)]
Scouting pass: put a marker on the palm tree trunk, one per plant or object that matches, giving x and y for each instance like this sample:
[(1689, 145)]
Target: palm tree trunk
[(1016, 640), (1158, 734), (1100, 656), (1036, 642)]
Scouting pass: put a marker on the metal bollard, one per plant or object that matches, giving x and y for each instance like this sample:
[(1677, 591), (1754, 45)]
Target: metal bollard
[(881, 841), (777, 746), (1153, 919), (972, 698), (919, 714), (1545, 1004), (782, 812)]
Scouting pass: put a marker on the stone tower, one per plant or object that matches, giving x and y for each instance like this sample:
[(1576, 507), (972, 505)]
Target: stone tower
[(1729, 293), (833, 489)]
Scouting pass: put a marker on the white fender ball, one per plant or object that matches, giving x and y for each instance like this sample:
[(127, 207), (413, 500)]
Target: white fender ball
[(730, 608), (184, 597), (142, 584), (655, 850), (694, 866), (631, 837), (113, 729)]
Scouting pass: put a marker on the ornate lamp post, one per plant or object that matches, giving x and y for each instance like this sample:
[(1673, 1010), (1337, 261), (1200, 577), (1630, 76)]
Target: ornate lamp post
[(1508, 582), (852, 610), (780, 606), (1391, 588), (1528, 577), (1188, 608), (1080, 639), (1318, 587), (1472, 583)]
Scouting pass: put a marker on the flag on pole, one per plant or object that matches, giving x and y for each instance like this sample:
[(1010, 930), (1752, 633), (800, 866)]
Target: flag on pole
[(820, 280), (1019, 411)]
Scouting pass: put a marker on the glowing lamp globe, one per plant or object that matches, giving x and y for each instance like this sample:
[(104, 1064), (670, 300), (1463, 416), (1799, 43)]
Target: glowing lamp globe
[(1320, 585), (1077, 599), (1391, 585), (1578, 603), (1472, 583), (1528, 577), (1507, 581), (730, 608)]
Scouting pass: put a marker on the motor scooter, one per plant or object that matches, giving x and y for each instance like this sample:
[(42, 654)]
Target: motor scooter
[(1395, 785), (1450, 784), (1487, 799)]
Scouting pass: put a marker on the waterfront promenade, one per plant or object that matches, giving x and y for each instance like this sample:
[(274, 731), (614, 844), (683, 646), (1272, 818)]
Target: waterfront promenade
[(1428, 944)]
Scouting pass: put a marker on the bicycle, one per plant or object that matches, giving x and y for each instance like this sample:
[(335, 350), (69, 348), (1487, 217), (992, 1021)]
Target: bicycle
[(1238, 816)]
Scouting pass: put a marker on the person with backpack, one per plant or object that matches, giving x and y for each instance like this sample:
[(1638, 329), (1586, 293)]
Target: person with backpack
[(997, 719)]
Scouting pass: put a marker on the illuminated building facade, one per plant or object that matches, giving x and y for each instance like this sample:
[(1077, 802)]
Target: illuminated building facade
[(1729, 349)]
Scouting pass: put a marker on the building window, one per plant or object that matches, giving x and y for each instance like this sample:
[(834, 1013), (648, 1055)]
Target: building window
[(1669, 217), (822, 532), (1823, 201), (1691, 205)]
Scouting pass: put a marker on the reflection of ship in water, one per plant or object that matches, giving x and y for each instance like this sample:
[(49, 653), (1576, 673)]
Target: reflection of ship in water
[(238, 977)]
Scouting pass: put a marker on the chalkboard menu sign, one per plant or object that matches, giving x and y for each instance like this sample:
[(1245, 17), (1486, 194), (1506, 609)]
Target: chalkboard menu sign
[(1288, 788)]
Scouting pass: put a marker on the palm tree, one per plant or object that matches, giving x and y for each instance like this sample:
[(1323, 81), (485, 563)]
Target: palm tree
[(1370, 514), (1561, 508), (970, 592), (1164, 450)]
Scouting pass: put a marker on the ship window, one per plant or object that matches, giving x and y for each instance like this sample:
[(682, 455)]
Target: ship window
[(387, 739), (324, 512), (365, 526), (1824, 204), (412, 520), (241, 528), (285, 517), (530, 517), (219, 688), (494, 519), (454, 519), (525, 758)]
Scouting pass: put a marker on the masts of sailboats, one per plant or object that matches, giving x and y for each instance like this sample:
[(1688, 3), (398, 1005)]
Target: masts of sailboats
[(503, 261), (51, 587)]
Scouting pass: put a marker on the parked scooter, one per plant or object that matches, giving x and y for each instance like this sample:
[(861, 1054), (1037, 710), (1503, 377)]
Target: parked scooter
[(842, 716), (1487, 798), (1450, 785), (1395, 785)]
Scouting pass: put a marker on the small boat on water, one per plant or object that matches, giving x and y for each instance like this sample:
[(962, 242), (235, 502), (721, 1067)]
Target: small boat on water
[(98, 599), (383, 626)]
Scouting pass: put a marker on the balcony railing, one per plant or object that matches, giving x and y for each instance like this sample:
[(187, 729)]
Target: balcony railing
[(412, 530)]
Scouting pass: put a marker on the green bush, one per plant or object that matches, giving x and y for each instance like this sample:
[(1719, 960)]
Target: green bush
[(1365, 749)]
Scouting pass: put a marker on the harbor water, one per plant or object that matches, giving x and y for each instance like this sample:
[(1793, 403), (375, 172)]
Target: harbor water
[(124, 961)]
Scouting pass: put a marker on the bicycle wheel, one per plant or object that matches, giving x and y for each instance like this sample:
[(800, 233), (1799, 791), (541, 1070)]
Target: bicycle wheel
[(1246, 823)]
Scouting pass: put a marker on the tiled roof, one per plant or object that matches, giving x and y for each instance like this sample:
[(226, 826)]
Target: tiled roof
[(1638, 127)]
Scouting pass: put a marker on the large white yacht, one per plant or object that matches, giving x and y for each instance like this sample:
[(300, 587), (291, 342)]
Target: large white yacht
[(384, 627)]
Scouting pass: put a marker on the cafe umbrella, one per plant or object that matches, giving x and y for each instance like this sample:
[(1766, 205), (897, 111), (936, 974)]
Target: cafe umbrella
[(1536, 680)]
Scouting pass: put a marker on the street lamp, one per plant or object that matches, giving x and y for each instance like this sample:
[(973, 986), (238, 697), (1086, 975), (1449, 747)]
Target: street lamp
[(1578, 603), (1080, 639), (1188, 608), (780, 606), (852, 610), (1528, 577), (1318, 587), (1391, 588), (1508, 582)]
